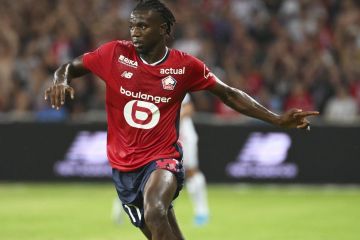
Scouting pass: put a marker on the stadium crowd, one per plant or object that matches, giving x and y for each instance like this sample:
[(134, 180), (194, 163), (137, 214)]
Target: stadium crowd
[(290, 53)]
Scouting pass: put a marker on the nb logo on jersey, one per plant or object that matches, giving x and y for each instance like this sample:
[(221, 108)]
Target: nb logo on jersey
[(140, 114), (127, 74)]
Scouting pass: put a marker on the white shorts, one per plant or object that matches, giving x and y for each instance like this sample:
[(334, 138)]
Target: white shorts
[(189, 141)]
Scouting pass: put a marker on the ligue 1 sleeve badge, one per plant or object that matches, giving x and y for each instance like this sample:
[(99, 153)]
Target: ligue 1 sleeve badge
[(168, 83)]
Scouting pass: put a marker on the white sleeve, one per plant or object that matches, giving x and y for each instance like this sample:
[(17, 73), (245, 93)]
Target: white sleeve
[(186, 99)]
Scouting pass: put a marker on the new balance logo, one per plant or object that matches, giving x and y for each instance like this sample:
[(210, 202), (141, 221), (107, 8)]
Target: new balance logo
[(127, 74), (128, 62), (264, 156), (265, 149), (86, 157)]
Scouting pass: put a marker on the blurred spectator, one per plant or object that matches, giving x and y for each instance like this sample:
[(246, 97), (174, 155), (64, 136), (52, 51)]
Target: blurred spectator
[(355, 88), (8, 51), (22, 103), (190, 42), (341, 108), (299, 97)]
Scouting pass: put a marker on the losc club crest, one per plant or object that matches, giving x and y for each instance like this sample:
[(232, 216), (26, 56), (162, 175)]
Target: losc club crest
[(168, 83)]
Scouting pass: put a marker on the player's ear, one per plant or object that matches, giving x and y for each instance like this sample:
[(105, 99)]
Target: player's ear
[(163, 29)]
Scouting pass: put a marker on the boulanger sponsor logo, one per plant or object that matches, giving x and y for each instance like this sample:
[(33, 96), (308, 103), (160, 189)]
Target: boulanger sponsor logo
[(263, 156), (86, 157), (142, 114), (168, 83), (173, 71), (128, 62), (144, 96)]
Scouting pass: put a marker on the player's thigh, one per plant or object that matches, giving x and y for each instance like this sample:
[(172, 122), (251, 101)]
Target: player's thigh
[(160, 188)]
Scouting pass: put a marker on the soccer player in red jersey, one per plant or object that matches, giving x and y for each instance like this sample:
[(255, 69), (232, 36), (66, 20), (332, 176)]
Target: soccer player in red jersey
[(145, 85)]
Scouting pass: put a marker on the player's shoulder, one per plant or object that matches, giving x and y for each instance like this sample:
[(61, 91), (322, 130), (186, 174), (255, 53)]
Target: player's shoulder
[(186, 58), (183, 55), (124, 43), (117, 44)]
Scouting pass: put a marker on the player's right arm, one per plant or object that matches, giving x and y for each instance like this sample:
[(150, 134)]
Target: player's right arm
[(62, 77), (95, 62)]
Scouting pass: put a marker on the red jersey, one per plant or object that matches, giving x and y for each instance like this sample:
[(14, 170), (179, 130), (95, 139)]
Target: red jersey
[(143, 101)]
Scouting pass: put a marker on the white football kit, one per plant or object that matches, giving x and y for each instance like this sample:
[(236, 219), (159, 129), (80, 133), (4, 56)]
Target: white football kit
[(196, 184), (189, 140)]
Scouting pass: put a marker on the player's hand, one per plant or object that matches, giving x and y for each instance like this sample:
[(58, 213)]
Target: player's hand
[(296, 118), (57, 93)]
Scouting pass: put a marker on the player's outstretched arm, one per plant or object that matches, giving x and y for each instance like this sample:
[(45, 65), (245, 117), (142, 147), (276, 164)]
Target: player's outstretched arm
[(243, 103), (62, 77)]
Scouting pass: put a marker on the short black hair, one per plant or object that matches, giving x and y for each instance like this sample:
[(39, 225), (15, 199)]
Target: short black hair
[(160, 8)]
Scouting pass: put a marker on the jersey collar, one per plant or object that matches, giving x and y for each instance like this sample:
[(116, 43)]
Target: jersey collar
[(157, 62)]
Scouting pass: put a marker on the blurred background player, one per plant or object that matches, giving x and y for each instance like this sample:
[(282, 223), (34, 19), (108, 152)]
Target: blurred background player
[(195, 179), (117, 211)]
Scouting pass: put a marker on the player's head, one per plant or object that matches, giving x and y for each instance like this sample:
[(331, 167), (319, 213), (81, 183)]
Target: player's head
[(150, 24)]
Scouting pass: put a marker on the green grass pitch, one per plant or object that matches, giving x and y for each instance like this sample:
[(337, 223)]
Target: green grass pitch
[(82, 211)]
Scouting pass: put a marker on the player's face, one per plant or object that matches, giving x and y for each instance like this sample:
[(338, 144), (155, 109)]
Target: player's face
[(147, 30)]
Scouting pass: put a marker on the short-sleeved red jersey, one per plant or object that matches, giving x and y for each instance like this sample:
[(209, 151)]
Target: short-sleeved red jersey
[(143, 101)]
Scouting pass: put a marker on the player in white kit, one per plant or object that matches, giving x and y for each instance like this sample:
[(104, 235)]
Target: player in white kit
[(195, 179)]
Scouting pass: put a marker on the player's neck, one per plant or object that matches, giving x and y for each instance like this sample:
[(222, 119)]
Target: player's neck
[(155, 57), (158, 61)]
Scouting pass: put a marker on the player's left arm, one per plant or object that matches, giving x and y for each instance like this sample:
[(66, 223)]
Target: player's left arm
[(243, 103)]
